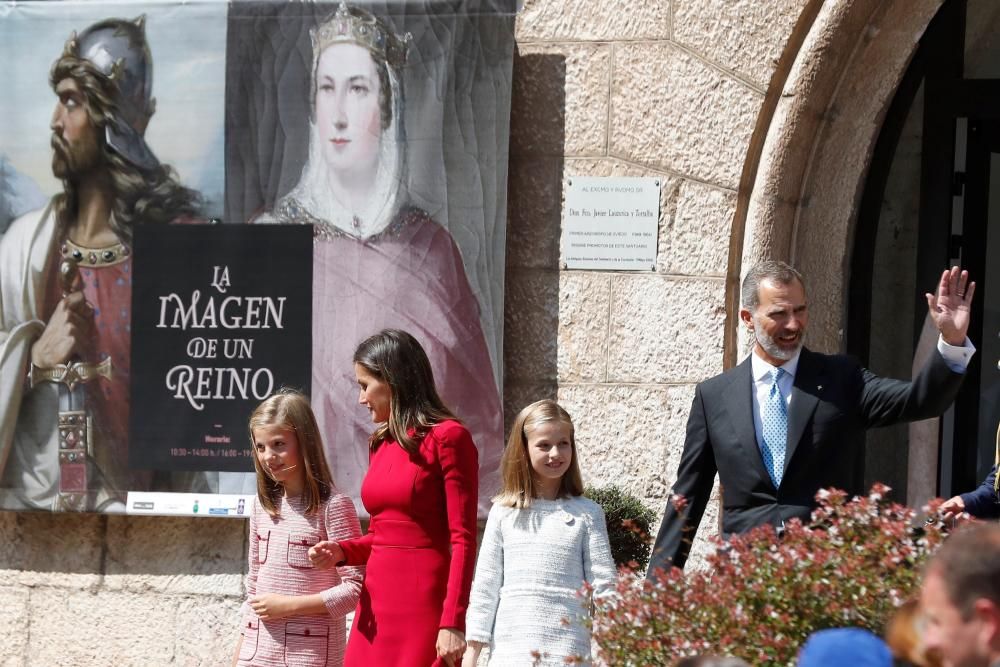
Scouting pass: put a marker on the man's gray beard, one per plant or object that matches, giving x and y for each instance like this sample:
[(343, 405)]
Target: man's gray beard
[(772, 348)]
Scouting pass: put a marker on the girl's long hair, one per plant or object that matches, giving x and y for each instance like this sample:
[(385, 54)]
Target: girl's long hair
[(290, 409), (517, 484), (396, 358)]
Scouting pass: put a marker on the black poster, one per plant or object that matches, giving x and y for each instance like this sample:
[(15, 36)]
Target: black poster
[(221, 319)]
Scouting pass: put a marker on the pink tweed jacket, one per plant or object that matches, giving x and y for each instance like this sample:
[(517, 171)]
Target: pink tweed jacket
[(279, 564)]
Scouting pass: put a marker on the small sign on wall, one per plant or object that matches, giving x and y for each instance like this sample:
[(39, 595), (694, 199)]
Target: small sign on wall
[(610, 223)]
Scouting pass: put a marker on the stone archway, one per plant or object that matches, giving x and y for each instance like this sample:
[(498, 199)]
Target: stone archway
[(806, 168)]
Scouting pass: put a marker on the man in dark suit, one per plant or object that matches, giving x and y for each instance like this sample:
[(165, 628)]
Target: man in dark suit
[(787, 421)]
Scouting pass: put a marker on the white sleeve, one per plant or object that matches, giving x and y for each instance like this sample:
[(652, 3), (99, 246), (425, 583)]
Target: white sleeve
[(957, 357), (598, 565), (485, 596)]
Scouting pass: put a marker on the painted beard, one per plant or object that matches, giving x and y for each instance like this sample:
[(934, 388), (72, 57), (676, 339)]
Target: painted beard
[(70, 162), (771, 346)]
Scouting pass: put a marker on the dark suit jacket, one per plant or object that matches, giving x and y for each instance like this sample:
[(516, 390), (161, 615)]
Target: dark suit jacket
[(983, 503), (833, 401)]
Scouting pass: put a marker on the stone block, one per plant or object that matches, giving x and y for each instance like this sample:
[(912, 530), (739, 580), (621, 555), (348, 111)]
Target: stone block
[(665, 330), (548, 20), (584, 300), (8, 542), (517, 394), (559, 100), (73, 627), (14, 618), (629, 435), (164, 555), (534, 213), (697, 238), (531, 325), (672, 111), (745, 36), (206, 631), (62, 550)]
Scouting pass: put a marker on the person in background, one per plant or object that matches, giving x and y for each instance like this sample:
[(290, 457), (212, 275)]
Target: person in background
[(842, 647), (904, 635), (960, 598), (984, 502)]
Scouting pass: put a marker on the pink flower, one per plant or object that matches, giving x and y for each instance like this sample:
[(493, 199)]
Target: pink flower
[(761, 596)]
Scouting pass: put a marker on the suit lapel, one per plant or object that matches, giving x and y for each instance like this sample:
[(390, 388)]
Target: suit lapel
[(805, 389), (738, 399)]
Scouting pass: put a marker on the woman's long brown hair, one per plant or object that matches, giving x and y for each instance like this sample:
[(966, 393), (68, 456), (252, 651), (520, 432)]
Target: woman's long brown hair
[(396, 358)]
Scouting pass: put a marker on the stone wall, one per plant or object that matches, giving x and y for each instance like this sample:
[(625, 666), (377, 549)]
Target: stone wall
[(89, 590), (663, 88), (670, 90)]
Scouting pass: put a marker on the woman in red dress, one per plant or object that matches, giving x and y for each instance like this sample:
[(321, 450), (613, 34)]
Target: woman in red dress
[(421, 491)]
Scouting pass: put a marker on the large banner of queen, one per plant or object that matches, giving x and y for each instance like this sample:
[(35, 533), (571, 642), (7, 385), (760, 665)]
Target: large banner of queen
[(202, 202)]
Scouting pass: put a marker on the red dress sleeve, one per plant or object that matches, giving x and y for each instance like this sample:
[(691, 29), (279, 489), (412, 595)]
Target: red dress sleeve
[(459, 463), (357, 550)]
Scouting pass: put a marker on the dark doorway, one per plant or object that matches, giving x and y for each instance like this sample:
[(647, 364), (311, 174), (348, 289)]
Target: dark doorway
[(932, 199)]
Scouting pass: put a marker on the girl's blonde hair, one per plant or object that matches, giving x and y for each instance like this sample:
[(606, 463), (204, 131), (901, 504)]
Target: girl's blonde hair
[(517, 486), (290, 409)]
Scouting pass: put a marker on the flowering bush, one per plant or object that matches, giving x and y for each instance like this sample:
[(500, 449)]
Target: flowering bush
[(761, 596)]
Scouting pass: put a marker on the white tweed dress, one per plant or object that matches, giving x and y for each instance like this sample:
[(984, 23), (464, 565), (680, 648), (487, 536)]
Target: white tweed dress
[(531, 565)]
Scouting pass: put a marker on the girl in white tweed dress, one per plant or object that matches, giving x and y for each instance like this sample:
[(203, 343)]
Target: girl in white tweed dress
[(544, 540)]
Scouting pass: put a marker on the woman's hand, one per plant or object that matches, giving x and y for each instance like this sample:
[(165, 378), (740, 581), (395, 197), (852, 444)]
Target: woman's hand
[(325, 555), (272, 606), (472, 651), (450, 645)]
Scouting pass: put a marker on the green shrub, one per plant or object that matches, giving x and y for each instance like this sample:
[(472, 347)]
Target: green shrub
[(628, 525)]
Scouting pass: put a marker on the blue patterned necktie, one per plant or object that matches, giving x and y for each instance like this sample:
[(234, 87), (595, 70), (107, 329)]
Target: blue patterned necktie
[(775, 428)]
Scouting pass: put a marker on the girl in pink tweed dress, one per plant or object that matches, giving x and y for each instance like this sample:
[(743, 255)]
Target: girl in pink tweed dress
[(294, 613)]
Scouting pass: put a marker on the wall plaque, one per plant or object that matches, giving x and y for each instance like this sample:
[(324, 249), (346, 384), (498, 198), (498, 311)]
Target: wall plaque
[(610, 223)]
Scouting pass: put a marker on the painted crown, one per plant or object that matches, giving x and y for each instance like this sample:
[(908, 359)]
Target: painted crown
[(367, 31)]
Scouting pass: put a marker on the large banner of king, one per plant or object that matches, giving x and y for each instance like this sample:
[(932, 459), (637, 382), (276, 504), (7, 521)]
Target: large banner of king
[(204, 202)]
